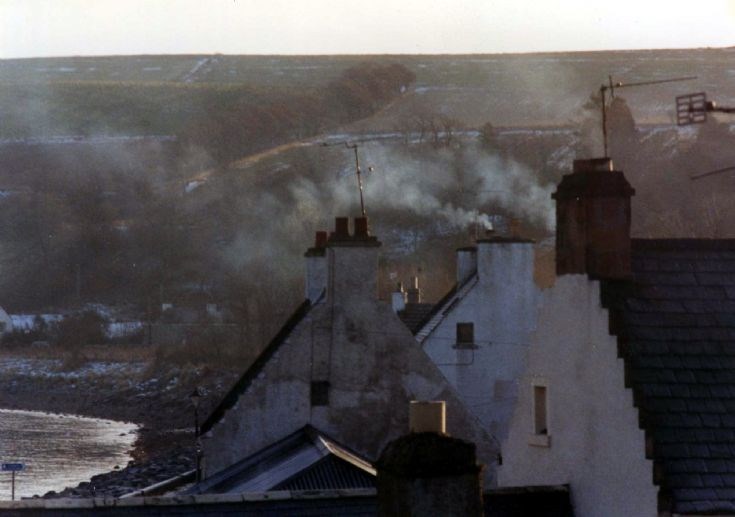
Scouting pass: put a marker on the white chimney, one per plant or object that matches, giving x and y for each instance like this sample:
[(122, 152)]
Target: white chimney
[(427, 416), (398, 298), (352, 263), (505, 261), (466, 263)]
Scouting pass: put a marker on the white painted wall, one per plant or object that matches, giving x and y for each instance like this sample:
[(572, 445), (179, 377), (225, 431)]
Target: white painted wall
[(503, 307), (316, 275), (596, 445), (374, 366)]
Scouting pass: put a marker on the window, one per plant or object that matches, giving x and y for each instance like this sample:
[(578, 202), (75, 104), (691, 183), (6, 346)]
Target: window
[(465, 335), (540, 436), (320, 393), (540, 426)]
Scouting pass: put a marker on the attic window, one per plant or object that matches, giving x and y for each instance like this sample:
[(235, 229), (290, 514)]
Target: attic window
[(320, 393), (465, 335), (540, 435)]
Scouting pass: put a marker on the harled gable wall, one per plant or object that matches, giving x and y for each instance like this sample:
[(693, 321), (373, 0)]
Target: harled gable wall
[(374, 367), (502, 305), (595, 443)]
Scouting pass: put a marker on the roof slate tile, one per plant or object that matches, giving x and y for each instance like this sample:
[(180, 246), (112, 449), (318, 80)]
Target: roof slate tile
[(679, 325)]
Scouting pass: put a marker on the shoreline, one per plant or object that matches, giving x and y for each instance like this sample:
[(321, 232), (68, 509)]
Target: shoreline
[(156, 401)]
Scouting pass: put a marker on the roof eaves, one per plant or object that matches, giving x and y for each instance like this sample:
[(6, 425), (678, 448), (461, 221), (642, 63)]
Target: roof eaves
[(230, 399)]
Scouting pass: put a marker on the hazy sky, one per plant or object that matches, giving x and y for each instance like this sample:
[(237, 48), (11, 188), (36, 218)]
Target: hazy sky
[(87, 27)]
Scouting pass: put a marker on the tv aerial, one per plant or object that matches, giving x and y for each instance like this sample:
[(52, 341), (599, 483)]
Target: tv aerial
[(354, 146), (692, 108), (611, 86)]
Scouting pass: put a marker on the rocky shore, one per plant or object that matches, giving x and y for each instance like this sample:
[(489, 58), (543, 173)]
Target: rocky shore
[(136, 476), (155, 398)]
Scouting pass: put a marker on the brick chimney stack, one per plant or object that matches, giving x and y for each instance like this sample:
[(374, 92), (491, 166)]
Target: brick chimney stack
[(428, 473), (593, 221)]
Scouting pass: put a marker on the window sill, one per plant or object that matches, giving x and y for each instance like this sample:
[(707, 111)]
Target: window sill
[(539, 440), (465, 346)]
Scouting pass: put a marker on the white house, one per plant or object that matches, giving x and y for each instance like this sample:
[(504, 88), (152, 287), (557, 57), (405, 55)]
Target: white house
[(344, 363), (629, 392), (478, 335)]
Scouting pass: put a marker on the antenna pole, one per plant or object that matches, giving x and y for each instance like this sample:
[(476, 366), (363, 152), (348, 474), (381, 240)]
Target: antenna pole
[(612, 85), (604, 120), (359, 177)]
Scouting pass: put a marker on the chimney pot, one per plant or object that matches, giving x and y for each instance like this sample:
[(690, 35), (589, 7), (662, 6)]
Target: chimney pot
[(341, 227), (398, 298), (427, 416), (413, 293), (320, 241), (361, 228), (593, 165)]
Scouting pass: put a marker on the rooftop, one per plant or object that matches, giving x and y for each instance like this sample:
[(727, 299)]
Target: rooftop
[(676, 331)]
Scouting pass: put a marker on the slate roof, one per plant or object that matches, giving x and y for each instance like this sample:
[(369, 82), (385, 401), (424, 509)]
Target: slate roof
[(422, 321), (304, 460), (414, 314), (676, 331)]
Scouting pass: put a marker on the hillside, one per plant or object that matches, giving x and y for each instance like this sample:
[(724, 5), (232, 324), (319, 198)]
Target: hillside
[(129, 177), (156, 94)]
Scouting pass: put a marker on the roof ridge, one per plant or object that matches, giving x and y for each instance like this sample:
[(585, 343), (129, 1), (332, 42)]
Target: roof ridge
[(437, 313)]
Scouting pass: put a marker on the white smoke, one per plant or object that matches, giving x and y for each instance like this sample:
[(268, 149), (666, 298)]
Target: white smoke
[(425, 184)]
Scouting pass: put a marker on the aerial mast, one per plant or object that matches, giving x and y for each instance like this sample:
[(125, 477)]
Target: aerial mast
[(354, 146), (619, 84), (692, 108)]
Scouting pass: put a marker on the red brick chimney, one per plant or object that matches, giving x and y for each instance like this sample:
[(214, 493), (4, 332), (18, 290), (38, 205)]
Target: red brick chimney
[(593, 221)]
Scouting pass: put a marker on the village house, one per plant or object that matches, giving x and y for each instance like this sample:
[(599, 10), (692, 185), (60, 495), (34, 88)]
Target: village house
[(629, 392), (343, 364), (478, 334)]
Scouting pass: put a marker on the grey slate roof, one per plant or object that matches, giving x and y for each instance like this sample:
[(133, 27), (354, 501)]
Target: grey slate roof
[(414, 314), (422, 318), (676, 331)]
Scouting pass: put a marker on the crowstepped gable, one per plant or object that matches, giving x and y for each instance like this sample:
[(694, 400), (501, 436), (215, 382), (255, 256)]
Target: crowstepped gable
[(630, 385)]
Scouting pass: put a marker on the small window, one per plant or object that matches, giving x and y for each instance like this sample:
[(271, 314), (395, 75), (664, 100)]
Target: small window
[(540, 423), (465, 335), (320, 393)]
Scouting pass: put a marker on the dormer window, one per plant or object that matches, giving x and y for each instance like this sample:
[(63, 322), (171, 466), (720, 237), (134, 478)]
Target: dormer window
[(465, 335)]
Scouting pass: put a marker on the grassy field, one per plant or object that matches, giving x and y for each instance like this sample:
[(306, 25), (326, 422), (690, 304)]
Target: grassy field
[(157, 94)]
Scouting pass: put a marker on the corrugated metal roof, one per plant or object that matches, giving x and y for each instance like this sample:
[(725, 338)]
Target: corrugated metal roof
[(299, 458), (332, 472)]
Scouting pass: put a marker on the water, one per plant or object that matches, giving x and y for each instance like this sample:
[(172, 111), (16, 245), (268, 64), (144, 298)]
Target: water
[(59, 450)]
